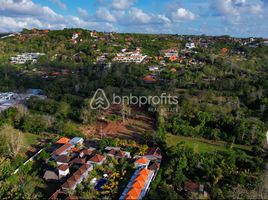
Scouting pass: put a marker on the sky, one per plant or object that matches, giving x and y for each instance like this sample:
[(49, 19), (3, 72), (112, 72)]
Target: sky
[(240, 18)]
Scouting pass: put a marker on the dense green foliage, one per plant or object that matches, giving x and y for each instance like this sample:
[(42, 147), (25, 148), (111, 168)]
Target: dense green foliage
[(222, 97)]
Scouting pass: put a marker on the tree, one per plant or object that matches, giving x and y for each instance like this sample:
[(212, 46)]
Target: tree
[(11, 141)]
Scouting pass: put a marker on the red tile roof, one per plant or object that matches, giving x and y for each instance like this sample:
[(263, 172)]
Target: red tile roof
[(62, 149), (63, 167), (63, 159), (72, 181), (97, 158)]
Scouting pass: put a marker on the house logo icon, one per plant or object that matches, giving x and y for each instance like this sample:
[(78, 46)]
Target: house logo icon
[(99, 101)]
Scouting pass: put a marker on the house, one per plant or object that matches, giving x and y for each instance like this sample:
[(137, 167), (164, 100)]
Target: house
[(112, 153), (87, 152), (51, 176), (63, 160), (224, 50), (142, 162), (153, 68), (110, 148), (138, 185), (190, 45), (63, 140), (79, 161), (154, 166), (154, 154), (97, 160), (63, 150), (118, 154), (77, 177), (170, 53), (128, 57), (26, 57), (122, 154), (190, 186), (77, 141), (173, 58), (63, 170), (149, 79), (75, 36)]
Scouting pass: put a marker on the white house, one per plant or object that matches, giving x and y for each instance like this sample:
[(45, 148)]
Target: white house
[(190, 45), (77, 141), (63, 170)]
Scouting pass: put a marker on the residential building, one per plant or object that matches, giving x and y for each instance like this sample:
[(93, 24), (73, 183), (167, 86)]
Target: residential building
[(87, 152), (63, 160), (138, 185), (63, 150), (142, 162), (77, 141), (190, 45), (149, 79), (79, 161), (118, 153), (63, 170), (75, 36), (97, 160), (154, 154), (63, 140), (77, 177), (170, 53), (127, 57), (25, 57), (153, 68)]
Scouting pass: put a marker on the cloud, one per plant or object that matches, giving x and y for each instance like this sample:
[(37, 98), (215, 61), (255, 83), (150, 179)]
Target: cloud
[(182, 14), (104, 14), (18, 14), (60, 4), (26, 8), (233, 9), (122, 4), (82, 13)]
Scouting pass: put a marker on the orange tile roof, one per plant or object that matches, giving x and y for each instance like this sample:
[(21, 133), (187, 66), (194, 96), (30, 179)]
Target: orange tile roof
[(144, 172), (63, 140), (149, 78), (142, 160), (75, 149), (129, 197), (141, 178), (134, 193), (138, 184)]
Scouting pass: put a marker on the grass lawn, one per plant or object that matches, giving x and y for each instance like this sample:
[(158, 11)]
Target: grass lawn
[(29, 139), (202, 145)]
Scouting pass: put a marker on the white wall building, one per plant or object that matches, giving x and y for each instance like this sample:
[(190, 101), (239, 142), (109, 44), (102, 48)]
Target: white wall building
[(25, 57)]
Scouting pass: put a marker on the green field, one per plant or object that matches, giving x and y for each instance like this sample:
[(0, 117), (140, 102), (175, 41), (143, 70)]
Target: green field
[(29, 140), (202, 145)]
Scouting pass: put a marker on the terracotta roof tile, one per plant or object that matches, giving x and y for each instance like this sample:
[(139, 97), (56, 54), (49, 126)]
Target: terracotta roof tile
[(142, 160), (97, 158), (63, 167), (63, 140)]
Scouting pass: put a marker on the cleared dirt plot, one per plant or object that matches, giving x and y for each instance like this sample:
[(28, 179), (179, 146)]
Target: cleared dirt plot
[(137, 122)]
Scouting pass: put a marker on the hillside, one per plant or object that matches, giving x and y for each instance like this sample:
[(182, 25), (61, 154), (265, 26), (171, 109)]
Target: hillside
[(213, 135)]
